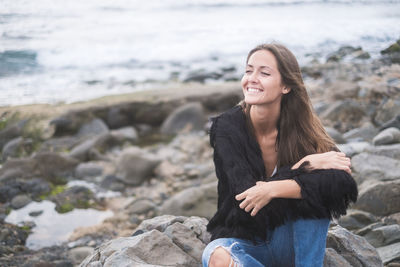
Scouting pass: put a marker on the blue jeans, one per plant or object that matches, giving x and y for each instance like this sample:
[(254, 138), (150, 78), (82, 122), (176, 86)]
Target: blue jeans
[(298, 243)]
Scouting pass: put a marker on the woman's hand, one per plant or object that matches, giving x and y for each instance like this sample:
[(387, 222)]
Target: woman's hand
[(327, 160), (255, 198)]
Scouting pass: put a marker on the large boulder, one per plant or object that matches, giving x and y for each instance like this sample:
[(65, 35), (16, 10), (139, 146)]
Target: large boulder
[(390, 253), (355, 250), (379, 198), (388, 110), (345, 114), (194, 201), (187, 117), (376, 167), (11, 131), (161, 241)]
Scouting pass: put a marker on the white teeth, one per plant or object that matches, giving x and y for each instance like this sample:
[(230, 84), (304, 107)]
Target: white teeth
[(254, 90)]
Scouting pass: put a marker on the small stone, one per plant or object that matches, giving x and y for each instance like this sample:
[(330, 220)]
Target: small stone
[(388, 136), (20, 201)]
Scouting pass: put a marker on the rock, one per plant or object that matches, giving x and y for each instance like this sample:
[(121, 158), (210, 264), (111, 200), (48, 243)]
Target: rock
[(152, 248), (59, 144), (353, 148), (186, 239), (92, 128), (341, 90), (83, 150), (78, 254), (392, 219), (140, 206), (159, 223), (20, 201), (336, 136), (393, 48), (354, 249), (88, 169), (12, 148), (117, 117), (376, 167), (345, 114), (202, 77), (125, 134), (195, 201), (381, 198), (134, 166), (384, 235), (11, 131), (74, 197), (389, 110), (112, 183), (388, 136), (394, 122), (12, 235), (49, 165), (356, 219), (333, 259), (366, 132), (187, 117), (342, 52), (389, 253), (391, 151)]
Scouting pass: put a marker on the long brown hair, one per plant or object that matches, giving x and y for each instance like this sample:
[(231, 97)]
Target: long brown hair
[(300, 132)]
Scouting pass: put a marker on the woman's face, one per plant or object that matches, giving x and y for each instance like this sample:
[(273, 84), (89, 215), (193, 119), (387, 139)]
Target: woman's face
[(262, 83)]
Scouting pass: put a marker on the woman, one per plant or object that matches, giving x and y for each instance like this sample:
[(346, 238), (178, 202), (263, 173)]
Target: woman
[(280, 177)]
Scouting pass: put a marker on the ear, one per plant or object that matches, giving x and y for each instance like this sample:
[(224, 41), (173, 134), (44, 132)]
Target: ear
[(285, 90)]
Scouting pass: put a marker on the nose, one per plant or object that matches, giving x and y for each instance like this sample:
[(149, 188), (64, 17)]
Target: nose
[(253, 77)]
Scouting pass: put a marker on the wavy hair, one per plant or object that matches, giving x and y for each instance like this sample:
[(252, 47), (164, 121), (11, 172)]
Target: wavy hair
[(300, 131)]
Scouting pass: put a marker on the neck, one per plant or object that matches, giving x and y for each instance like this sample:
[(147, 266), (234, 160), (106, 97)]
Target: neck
[(264, 118)]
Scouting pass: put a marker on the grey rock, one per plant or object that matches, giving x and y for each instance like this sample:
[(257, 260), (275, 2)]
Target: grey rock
[(335, 134), (92, 128), (78, 254), (125, 134), (381, 198), (345, 114), (112, 183), (384, 235), (152, 248), (199, 226), (140, 206), (88, 169), (389, 253), (376, 167), (11, 131), (186, 239), (356, 219), (12, 148), (187, 117), (392, 219), (20, 201), (366, 132), (194, 201), (82, 150), (388, 136), (391, 151), (160, 223), (354, 249), (135, 166), (389, 110), (394, 122), (333, 259), (353, 148), (117, 117)]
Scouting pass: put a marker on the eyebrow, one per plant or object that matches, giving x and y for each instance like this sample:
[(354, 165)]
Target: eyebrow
[(261, 67)]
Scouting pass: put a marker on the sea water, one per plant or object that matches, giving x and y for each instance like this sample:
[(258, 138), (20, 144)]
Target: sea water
[(66, 51)]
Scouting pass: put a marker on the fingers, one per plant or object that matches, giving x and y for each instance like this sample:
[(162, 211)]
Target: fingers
[(241, 195), (254, 211)]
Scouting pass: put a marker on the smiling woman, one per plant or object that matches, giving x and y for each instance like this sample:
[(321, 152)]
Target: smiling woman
[(279, 174)]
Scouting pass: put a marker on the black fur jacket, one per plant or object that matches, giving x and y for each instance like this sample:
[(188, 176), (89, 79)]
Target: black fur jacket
[(239, 165)]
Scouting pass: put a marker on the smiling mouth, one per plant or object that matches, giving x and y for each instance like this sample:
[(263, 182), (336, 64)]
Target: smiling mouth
[(254, 90)]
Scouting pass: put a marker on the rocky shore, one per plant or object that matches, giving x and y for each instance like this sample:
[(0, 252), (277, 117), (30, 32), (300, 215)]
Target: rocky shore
[(145, 159)]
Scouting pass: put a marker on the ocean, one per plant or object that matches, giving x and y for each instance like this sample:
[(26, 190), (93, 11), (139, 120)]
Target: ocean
[(67, 51)]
